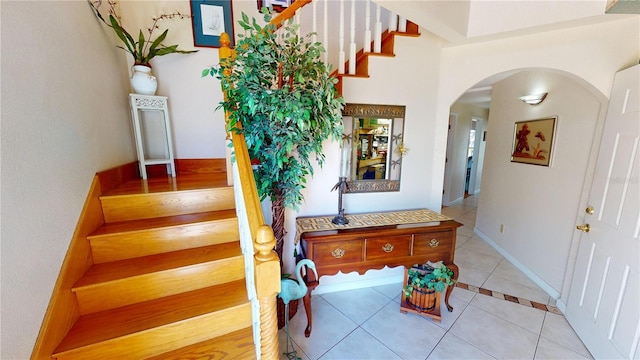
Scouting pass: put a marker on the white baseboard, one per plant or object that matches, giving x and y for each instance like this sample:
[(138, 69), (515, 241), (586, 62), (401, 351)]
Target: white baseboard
[(561, 306), (353, 280), (532, 276)]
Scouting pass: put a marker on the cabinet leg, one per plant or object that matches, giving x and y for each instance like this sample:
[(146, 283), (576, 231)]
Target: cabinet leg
[(455, 270), (307, 308)]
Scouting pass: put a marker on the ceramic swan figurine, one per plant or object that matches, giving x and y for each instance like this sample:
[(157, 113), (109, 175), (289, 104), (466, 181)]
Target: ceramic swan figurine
[(293, 289)]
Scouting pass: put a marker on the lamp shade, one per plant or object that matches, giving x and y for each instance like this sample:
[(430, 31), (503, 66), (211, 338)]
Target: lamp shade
[(533, 99)]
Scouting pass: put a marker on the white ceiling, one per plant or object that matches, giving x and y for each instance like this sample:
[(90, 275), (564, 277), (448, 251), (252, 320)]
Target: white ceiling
[(472, 21)]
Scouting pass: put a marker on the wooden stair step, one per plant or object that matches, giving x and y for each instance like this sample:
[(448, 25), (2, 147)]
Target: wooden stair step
[(236, 345), (124, 282), (157, 326), (137, 238), (167, 183), (127, 207)]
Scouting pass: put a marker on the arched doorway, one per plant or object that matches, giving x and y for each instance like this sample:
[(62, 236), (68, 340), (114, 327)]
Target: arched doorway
[(527, 212)]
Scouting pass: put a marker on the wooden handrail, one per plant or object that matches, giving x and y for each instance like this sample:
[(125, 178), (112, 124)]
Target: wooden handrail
[(266, 262), (288, 13)]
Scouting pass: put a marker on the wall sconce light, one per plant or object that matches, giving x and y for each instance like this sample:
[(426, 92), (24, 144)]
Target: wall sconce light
[(534, 99)]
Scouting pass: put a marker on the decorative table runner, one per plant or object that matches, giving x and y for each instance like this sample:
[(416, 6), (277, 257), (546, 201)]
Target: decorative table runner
[(320, 223)]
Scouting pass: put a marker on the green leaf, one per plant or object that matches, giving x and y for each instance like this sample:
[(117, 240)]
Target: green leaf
[(141, 44), (126, 38)]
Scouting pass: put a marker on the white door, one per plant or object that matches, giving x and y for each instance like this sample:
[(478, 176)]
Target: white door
[(604, 300)]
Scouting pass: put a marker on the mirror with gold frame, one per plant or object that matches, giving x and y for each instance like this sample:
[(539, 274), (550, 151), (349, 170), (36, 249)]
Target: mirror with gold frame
[(373, 138)]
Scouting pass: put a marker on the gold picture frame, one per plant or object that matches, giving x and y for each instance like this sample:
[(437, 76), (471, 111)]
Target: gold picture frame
[(533, 141)]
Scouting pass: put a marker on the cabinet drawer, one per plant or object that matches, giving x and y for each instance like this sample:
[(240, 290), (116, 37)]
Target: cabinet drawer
[(337, 252), (438, 244), (388, 247)]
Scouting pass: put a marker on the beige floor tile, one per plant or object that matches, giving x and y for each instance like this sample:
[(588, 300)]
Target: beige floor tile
[(506, 270), (453, 211), (462, 294), (448, 318), (399, 332), (282, 343), (392, 291), (468, 219), (452, 347), (470, 258), (512, 288), (472, 276), (329, 327), (465, 231), (461, 239), (495, 336), (480, 327), (557, 329), (478, 246), (528, 318), (549, 350), (352, 348), (359, 304)]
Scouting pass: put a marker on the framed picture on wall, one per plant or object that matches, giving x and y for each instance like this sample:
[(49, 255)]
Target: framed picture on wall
[(210, 18), (533, 141), (277, 5)]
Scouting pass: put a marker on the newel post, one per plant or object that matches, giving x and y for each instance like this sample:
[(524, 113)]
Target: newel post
[(267, 273), (226, 53)]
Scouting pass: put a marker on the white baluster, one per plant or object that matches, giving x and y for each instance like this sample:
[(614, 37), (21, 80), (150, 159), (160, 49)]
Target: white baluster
[(326, 32), (377, 35), (314, 27), (341, 37), (402, 24), (393, 22), (367, 30), (352, 44)]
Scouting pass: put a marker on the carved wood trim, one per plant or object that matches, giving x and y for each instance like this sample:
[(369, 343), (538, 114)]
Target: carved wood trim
[(374, 111)]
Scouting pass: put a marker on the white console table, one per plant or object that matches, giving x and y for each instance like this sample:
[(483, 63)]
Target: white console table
[(152, 130)]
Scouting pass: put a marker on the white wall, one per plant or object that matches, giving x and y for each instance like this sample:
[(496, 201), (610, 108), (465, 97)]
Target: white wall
[(383, 87), (590, 55), (64, 117), (198, 129), (536, 204)]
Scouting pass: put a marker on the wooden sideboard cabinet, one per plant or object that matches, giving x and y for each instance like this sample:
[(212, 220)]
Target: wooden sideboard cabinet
[(362, 249)]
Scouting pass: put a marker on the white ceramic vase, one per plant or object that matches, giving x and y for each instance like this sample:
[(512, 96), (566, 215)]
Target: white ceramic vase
[(142, 81)]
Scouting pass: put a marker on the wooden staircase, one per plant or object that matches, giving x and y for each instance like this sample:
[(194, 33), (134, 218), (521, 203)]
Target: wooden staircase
[(386, 50), (167, 280)]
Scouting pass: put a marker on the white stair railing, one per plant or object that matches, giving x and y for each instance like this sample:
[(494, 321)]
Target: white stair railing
[(367, 28), (377, 42), (357, 18)]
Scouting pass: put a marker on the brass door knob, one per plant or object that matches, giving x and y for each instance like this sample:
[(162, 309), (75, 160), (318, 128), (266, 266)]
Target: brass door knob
[(590, 210), (586, 227)]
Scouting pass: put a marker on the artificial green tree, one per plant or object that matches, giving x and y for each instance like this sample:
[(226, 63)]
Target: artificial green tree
[(281, 93)]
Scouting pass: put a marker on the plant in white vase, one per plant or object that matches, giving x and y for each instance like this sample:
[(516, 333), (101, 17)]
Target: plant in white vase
[(143, 49)]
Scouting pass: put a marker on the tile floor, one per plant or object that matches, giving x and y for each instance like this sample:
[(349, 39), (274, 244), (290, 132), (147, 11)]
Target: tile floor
[(367, 323)]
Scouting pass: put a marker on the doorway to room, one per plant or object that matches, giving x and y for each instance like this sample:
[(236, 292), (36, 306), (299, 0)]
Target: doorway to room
[(470, 155)]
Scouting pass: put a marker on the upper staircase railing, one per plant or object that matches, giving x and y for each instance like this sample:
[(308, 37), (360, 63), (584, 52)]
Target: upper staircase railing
[(257, 239)]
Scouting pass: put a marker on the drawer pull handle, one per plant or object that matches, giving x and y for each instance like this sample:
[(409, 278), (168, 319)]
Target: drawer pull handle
[(338, 253), (434, 243), (387, 248)]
